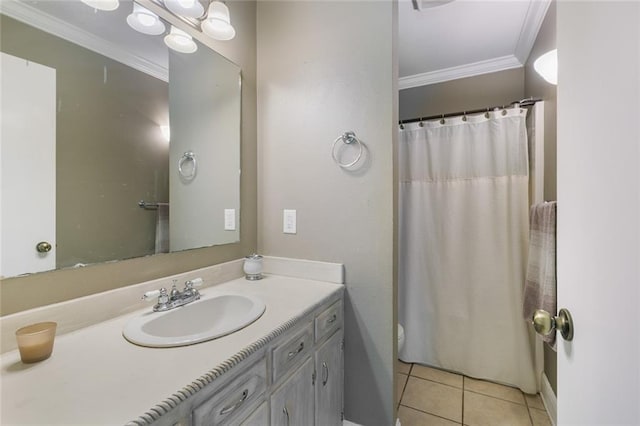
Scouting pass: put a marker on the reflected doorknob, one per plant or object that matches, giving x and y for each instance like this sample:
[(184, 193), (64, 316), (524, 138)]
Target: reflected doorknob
[(544, 323), (43, 247)]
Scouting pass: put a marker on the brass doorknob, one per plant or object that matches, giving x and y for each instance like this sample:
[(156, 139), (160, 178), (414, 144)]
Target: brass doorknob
[(544, 323), (43, 247)]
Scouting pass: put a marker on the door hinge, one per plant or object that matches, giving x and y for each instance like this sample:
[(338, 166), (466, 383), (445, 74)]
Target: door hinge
[(313, 378), (342, 416)]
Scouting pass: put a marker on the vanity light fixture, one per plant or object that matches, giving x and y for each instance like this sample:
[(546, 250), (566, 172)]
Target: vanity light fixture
[(217, 24), (547, 66), (107, 5), (187, 8), (180, 41), (145, 21)]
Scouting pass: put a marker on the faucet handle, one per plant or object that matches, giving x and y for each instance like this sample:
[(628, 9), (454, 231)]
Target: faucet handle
[(196, 282), (160, 294)]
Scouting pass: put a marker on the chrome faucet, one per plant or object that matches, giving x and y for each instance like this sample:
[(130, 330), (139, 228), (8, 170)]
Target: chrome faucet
[(175, 298)]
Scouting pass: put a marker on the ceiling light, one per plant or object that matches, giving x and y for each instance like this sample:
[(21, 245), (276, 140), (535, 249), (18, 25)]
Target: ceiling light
[(547, 66), (217, 25), (145, 21), (188, 8), (107, 5), (180, 41)]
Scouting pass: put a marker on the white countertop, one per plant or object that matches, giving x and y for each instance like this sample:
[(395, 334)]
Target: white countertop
[(95, 376)]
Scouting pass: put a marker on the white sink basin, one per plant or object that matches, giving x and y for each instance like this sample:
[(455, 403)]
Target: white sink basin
[(199, 321)]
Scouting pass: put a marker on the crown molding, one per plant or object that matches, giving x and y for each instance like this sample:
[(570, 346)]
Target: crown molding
[(52, 25), (530, 27), (468, 70)]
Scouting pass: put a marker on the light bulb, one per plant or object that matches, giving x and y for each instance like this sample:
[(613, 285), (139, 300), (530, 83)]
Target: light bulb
[(218, 23), (107, 5), (145, 21), (187, 8), (180, 41)]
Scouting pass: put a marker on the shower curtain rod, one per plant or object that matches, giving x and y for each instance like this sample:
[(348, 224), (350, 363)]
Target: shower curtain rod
[(522, 102)]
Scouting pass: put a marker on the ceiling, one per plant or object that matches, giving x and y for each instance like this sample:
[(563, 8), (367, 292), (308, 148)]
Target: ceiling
[(457, 39), (463, 38)]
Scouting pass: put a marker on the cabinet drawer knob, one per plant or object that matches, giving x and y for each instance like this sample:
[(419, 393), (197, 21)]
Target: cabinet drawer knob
[(297, 351), (286, 413), (231, 407), (333, 319)]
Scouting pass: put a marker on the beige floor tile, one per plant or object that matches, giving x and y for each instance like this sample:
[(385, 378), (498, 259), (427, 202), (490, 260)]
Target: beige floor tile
[(481, 410), (434, 398), (494, 389), (404, 367), (540, 417), (534, 401), (410, 417), (436, 375), (400, 382)]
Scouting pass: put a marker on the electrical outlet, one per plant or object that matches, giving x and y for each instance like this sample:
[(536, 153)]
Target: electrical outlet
[(289, 225)]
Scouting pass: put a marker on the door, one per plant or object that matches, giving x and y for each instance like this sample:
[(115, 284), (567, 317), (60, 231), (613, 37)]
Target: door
[(329, 385), (292, 403), (599, 211), (27, 166)]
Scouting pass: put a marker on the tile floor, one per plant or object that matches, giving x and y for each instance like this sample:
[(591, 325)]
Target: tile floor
[(431, 397)]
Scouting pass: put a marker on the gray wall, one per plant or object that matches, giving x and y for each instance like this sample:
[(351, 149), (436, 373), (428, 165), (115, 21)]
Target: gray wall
[(325, 68), (536, 86), (481, 91), (50, 287), (106, 157), (205, 120)]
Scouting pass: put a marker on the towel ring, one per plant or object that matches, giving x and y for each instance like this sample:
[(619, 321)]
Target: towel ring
[(347, 138), (187, 156)]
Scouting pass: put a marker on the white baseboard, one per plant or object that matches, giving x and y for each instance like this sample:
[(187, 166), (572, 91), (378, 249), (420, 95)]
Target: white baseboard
[(348, 423), (549, 400)]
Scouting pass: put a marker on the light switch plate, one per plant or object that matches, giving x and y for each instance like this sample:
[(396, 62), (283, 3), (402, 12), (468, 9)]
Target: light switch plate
[(229, 219), (289, 225)]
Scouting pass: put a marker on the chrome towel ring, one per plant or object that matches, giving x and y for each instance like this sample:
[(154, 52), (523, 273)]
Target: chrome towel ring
[(187, 156), (347, 138)]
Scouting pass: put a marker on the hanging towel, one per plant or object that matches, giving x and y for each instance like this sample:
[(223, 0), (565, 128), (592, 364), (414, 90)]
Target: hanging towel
[(162, 228), (540, 286)]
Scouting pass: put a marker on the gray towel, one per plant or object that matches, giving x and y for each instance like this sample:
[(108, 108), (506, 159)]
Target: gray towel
[(162, 228), (540, 286)]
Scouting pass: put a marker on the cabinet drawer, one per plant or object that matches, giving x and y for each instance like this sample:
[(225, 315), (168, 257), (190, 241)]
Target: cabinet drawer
[(329, 320), (292, 352), (224, 406)]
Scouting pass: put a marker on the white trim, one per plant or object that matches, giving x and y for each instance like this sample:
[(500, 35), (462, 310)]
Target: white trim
[(462, 71), (306, 269), (549, 400), (530, 28), (45, 22)]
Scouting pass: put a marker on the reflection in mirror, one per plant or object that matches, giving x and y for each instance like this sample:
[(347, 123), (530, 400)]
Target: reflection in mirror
[(85, 138)]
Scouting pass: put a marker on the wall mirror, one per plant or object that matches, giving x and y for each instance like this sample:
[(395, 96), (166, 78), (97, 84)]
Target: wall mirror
[(113, 145)]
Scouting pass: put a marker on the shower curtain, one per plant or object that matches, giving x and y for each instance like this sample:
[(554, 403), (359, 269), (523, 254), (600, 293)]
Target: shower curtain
[(463, 233)]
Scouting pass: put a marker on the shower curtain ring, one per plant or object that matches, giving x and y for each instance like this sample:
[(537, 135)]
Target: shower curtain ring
[(442, 120), (421, 124)]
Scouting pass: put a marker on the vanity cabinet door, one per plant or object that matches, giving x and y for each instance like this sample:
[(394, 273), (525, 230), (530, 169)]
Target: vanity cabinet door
[(292, 403), (329, 382)]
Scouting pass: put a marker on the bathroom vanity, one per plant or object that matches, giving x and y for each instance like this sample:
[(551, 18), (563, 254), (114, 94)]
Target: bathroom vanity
[(286, 368)]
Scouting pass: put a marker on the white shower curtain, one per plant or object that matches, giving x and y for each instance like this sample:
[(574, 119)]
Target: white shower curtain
[(463, 246)]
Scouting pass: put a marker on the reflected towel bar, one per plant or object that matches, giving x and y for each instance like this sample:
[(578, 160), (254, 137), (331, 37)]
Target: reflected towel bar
[(150, 206)]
